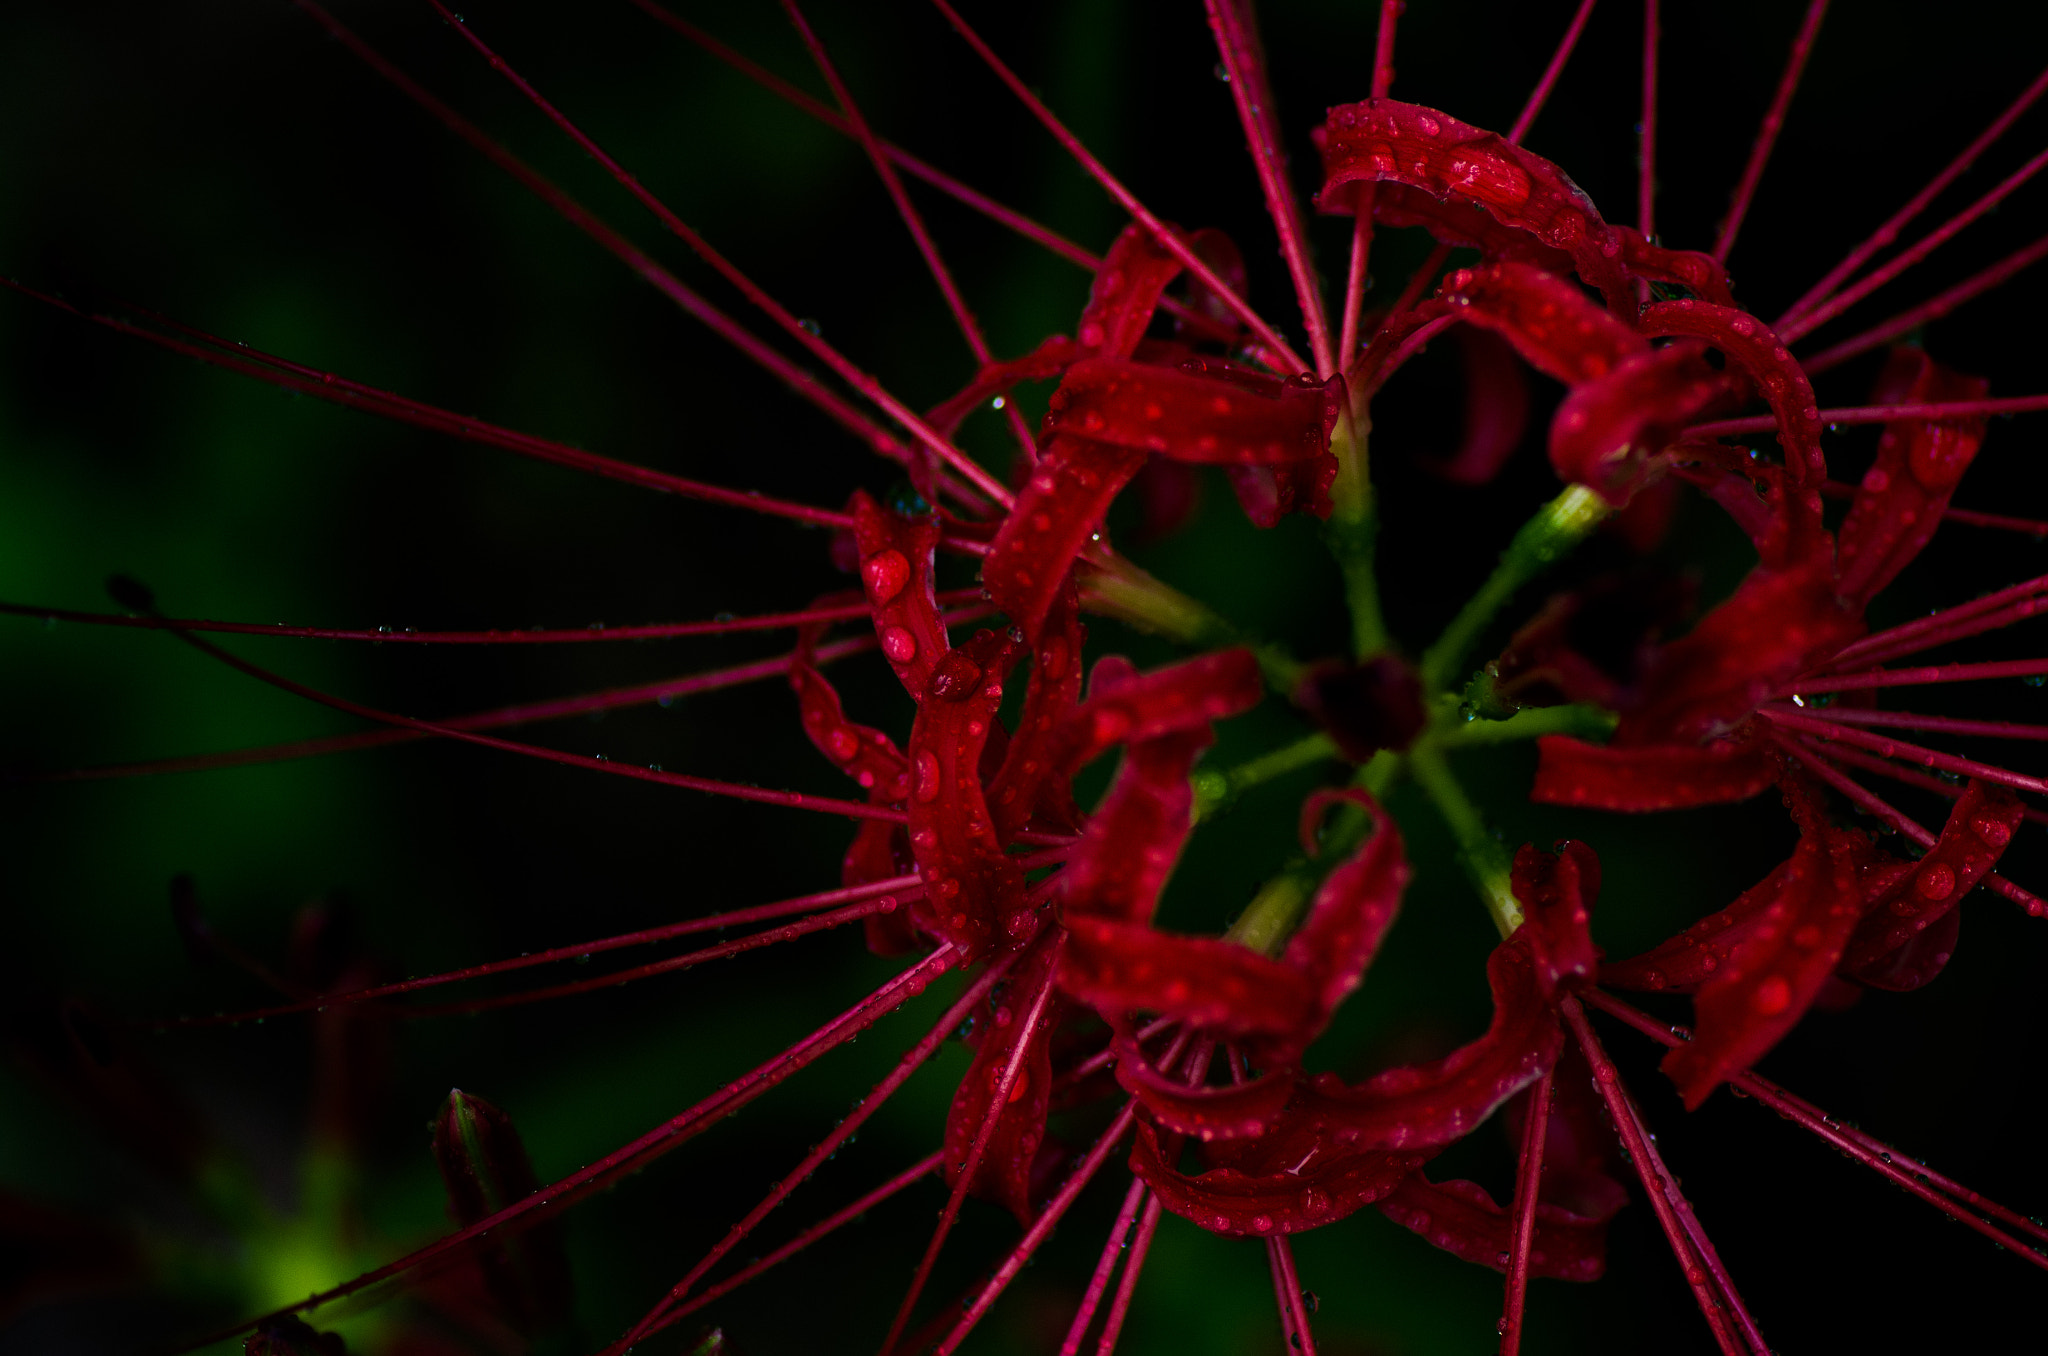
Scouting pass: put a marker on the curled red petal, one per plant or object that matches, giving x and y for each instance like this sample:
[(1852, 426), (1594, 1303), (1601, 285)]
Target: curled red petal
[(863, 753), (1126, 292), (1442, 1100), (1778, 377), (1463, 1220), (1557, 893), (1461, 222), (1208, 982), (1059, 509), (1919, 462), (1700, 274), (1136, 834), (1125, 706), (974, 893), (1004, 1174), (1773, 627), (880, 851), (1774, 973), (1216, 249), (1236, 1111), (1197, 412), (1049, 359), (1654, 777), (1697, 954), (1915, 962), (896, 555), (1383, 140), (1236, 1202), (1351, 913), (1978, 831), (1548, 320), (1030, 784), (1607, 432)]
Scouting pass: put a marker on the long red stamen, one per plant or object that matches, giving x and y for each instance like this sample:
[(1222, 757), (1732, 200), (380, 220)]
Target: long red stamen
[(1096, 170), (1932, 309), (1127, 1285), (1899, 749), (1920, 249), (1953, 1199), (336, 390), (1709, 1281), (903, 887), (1767, 131), (786, 320), (1885, 234), (913, 1060), (1041, 1228), (1113, 1248), (928, 248), (1646, 131), (1911, 720), (1880, 414), (1528, 1181), (385, 635), (671, 1134), (1294, 1324), (1931, 673), (1355, 276), (1541, 94), (1937, 622), (970, 1166), (1822, 761), (916, 1172), (1237, 40)]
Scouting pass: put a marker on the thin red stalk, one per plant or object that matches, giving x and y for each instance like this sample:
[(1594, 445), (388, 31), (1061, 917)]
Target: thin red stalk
[(1113, 1248), (1880, 414), (1810, 754), (1812, 320), (804, 383), (1658, 1184), (970, 1165), (1767, 131), (669, 1135), (1096, 170), (1106, 1056), (1541, 94), (1885, 234), (1943, 621), (1412, 293), (1896, 748), (794, 800), (787, 932), (2033, 527), (1931, 673), (773, 621), (904, 887), (1528, 1182), (914, 1173), (912, 221), (661, 692), (1127, 1285), (1355, 276), (1041, 1228), (1950, 1197), (913, 1060), (278, 372), (1003, 216), (1646, 132), (1911, 720), (1408, 348), (852, 375), (1237, 40), (1294, 1326), (1920, 781), (1934, 308)]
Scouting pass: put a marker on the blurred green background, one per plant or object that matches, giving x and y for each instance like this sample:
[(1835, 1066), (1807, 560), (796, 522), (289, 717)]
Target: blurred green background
[(225, 164)]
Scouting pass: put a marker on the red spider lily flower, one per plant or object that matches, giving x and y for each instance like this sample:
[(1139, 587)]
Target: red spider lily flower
[(1116, 1039)]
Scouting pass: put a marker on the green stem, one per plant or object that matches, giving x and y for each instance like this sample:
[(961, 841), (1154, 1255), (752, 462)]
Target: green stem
[(1117, 588), (1353, 533), (1531, 723), (1216, 788), (1270, 919), (1485, 859), (1558, 527)]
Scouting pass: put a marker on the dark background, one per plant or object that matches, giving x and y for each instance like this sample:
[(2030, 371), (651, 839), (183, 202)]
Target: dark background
[(227, 165)]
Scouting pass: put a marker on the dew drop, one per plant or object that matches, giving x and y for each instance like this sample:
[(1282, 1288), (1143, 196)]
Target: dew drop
[(955, 677), (886, 572), (1772, 997), (1993, 831), (1936, 882), (926, 787), (899, 645)]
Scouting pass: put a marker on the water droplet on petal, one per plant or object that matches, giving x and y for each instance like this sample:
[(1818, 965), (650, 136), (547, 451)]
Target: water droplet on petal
[(926, 787), (1772, 996), (955, 677), (886, 572), (899, 645), (1936, 882)]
